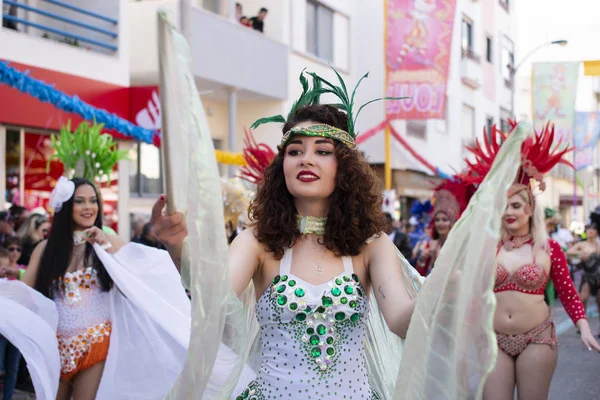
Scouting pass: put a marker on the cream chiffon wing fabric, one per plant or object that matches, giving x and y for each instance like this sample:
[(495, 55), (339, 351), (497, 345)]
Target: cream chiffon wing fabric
[(221, 324), (450, 347), (28, 320)]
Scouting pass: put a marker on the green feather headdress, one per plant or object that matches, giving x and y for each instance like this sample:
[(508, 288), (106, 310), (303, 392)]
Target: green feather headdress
[(311, 96), (308, 97), (87, 152)]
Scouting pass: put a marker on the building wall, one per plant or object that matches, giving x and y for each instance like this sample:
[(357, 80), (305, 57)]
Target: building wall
[(80, 61), (442, 145)]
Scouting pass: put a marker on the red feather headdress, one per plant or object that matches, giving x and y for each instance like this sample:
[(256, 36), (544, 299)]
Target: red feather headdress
[(452, 197), (538, 157), (258, 156)]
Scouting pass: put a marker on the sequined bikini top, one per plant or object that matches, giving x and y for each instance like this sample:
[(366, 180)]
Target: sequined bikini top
[(528, 278)]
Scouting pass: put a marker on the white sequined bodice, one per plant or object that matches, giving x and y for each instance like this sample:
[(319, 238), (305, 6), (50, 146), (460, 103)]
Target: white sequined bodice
[(83, 304), (83, 316), (312, 338)]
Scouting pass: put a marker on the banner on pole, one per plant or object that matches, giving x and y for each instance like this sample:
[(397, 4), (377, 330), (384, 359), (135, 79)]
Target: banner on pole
[(554, 90), (583, 158), (587, 129), (417, 45)]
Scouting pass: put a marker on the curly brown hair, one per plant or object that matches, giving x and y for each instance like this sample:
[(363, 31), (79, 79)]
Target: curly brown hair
[(355, 212)]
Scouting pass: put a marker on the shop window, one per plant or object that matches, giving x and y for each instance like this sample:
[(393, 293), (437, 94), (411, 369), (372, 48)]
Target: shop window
[(13, 164), (145, 178), (416, 128)]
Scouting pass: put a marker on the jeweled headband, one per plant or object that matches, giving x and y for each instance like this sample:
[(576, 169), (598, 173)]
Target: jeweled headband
[(320, 130)]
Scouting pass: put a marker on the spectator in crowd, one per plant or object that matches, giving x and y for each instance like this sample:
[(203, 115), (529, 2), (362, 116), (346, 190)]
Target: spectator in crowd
[(19, 215), (238, 12), (137, 229), (9, 355), (258, 22), (148, 238), (4, 260), (399, 238), (31, 233), (244, 21), (6, 226), (12, 11), (12, 270)]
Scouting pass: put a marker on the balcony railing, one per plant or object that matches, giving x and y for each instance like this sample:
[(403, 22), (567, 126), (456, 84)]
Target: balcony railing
[(98, 32)]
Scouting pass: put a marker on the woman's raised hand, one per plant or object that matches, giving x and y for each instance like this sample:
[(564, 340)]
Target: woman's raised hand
[(171, 230)]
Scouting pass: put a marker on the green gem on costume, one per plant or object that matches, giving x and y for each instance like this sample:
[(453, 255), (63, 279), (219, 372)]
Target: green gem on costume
[(321, 329), (281, 300)]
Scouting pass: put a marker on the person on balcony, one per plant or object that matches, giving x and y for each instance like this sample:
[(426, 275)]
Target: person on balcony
[(258, 22)]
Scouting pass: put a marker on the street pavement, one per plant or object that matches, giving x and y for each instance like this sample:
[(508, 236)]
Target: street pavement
[(577, 375)]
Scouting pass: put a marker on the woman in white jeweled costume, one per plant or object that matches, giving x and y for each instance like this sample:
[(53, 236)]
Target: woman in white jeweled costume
[(314, 253), (74, 278)]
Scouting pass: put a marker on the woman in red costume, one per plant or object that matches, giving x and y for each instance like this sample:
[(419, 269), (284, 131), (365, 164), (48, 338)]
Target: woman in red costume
[(526, 260), (449, 201)]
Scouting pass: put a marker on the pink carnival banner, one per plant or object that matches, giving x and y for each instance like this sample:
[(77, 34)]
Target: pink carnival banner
[(418, 40), (554, 90)]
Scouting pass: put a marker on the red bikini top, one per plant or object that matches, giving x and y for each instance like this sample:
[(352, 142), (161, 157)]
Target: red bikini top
[(528, 278)]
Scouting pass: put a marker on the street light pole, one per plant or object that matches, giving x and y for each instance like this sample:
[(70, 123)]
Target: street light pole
[(513, 71)]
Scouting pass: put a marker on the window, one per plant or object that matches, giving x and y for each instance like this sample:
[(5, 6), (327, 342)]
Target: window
[(13, 164), (211, 5), (505, 4), (467, 35), (319, 30), (416, 128), (504, 117), (468, 118), (489, 49), (145, 177), (507, 63), (489, 123)]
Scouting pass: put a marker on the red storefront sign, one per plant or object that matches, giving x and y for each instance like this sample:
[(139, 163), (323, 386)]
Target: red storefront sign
[(145, 109)]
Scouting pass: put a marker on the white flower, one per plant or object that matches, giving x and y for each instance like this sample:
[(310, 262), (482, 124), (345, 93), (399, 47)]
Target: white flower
[(97, 165), (87, 152), (74, 151), (101, 172), (62, 192), (93, 155)]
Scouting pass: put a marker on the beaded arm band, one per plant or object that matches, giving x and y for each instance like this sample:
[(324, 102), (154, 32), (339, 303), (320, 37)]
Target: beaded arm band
[(21, 273)]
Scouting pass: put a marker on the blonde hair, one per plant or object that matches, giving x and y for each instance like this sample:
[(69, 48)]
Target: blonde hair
[(28, 231), (537, 222)]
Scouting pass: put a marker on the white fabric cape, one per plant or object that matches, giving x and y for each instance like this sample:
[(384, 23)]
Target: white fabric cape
[(151, 322)]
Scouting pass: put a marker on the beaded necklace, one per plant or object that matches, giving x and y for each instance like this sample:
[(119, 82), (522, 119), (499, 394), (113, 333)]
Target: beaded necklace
[(308, 225)]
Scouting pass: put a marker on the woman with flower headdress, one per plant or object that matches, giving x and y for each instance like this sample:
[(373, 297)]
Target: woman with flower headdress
[(450, 199), (98, 306), (526, 260)]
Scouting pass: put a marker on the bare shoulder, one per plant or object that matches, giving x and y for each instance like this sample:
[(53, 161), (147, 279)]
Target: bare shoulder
[(247, 238)]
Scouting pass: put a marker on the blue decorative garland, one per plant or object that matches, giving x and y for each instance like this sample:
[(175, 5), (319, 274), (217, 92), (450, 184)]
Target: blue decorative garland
[(48, 94)]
